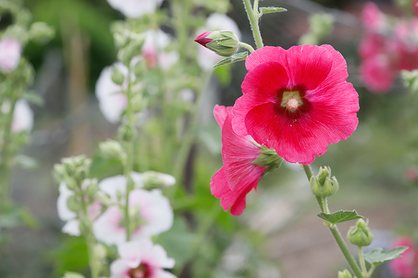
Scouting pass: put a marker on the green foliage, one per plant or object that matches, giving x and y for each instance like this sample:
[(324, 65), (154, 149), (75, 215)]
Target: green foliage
[(339, 216), (265, 10), (380, 256)]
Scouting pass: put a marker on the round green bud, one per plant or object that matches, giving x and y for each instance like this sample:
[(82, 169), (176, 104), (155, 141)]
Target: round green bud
[(91, 189), (73, 203), (360, 234), (126, 133), (117, 77), (70, 183), (41, 32), (112, 149)]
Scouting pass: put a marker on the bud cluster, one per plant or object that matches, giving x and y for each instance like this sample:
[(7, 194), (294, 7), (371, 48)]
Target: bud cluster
[(360, 235), (73, 170), (323, 185)]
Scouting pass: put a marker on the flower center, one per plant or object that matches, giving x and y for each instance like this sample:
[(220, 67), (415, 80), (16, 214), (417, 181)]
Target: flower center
[(139, 272), (291, 100)]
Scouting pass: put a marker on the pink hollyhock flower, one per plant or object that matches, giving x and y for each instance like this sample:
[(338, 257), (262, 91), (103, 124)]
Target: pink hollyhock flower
[(71, 226), (154, 212), (141, 259), (215, 22), (407, 265), (373, 19), (415, 6), (377, 73), (112, 102), (238, 176), (296, 101), (135, 8), (10, 52)]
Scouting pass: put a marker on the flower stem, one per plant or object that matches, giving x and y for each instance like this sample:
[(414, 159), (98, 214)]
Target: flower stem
[(252, 17), (362, 263), (5, 158), (247, 46), (334, 230), (129, 149), (90, 240)]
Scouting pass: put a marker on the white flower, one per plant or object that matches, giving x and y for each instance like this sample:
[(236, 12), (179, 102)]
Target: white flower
[(112, 102), (71, 226), (153, 50), (135, 8), (10, 52), (155, 214), (141, 259), (22, 117), (116, 184), (215, 22)]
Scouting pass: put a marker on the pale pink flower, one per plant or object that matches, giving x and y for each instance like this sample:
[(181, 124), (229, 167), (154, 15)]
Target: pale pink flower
[(141, 259), (10, 52), (135, 8), (155, 213), (112, 102), (215, 22), (22, 117), (117, 184), (71, 226), (153, 50)]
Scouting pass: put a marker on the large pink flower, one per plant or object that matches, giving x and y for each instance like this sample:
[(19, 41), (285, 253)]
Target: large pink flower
[(407, 265), (239, 176), (296, 101), (141, 259)]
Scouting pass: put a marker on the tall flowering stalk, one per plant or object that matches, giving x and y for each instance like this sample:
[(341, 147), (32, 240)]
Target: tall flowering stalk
[(295, 102)]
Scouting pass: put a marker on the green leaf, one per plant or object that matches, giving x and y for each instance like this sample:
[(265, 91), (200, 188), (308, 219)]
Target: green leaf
[(240, 56), (266, 10), (34, 98), (380, 256), (340, 216)]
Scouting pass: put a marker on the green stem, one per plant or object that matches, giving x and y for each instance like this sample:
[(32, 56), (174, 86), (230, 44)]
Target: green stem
[(254, 23), (322, 202), (247, 46), (371, 270), (362, 262), (129, 149), (90, 241), (5, 158)]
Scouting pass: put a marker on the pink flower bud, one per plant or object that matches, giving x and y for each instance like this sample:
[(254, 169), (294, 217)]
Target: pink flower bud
[(203, 38)]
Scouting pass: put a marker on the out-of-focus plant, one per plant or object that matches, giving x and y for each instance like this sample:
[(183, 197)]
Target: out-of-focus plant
[(389, 45), (16, 117)]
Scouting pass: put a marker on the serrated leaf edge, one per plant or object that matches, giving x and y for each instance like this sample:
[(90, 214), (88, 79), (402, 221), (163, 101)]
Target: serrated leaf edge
[(321, 214)]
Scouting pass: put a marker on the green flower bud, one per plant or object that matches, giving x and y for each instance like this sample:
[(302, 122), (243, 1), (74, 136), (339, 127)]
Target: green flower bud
[(223, 43), (153, 180), (70, 183), (268, 158), (41, 32), (73, 203), (410, 80), (92, 188), (117, 77), (322, 185), (131, 49), (23, 17), (72, 275), (126, 133), (112, 149), (344, 274), (77, 167), (360, 235), (140, 68)]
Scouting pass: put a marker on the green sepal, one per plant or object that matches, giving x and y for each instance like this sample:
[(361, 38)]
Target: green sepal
[(266, 10), (34, 98), (380, 256), (240, 56), (340, 216)]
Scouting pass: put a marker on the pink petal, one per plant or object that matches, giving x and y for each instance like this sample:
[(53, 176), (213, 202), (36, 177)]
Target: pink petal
[(407, 265), (236, 199), (220, 112), (119, 269), (377, 74), (238, 153)]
